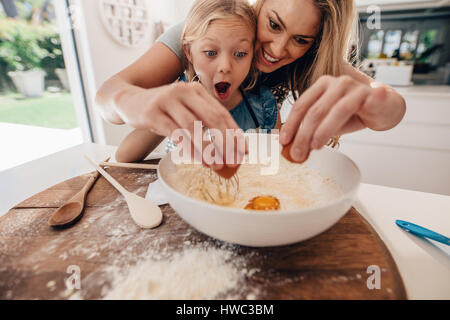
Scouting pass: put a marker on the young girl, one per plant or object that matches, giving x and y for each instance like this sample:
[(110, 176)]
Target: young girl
[(217, 41)]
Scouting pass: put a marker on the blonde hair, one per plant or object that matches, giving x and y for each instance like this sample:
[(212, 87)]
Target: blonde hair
[(203, 13), (330, 48)]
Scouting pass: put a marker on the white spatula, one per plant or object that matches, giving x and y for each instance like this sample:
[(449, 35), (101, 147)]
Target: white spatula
[(145, 213)]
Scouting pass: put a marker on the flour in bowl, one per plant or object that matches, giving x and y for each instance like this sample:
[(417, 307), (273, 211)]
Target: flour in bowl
[(294, 185)]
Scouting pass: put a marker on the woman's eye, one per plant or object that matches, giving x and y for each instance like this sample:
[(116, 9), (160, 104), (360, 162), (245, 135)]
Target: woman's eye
[(210, 53), (301, 41), (274, 25), (240, 54)]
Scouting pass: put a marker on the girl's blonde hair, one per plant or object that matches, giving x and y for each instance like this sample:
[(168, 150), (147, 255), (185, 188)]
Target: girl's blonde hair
[(330, 48), (203, 13)]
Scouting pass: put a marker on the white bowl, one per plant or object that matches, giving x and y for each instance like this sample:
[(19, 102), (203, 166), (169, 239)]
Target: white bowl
[(269, 228)]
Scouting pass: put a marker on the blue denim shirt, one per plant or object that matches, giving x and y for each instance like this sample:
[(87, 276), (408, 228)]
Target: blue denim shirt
[(264, 106)]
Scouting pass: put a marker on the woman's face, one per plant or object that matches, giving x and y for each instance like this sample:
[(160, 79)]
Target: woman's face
[(286, 30)]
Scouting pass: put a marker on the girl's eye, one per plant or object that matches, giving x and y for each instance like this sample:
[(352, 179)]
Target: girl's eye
[(240, 54), (274, 25), (210, 53)]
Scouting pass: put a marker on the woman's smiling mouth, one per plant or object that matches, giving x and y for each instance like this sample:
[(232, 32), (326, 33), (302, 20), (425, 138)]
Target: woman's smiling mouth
[(267, 59)]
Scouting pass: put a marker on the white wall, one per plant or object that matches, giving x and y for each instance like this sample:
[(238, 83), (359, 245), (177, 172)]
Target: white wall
[(169, 11)]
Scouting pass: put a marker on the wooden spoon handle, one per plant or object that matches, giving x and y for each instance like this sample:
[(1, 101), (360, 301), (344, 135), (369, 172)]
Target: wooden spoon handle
[(81, 195), (108, 177), (93, 177), (129, 165)]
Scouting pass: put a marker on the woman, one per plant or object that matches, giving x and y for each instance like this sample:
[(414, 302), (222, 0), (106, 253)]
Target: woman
[(301, 47)]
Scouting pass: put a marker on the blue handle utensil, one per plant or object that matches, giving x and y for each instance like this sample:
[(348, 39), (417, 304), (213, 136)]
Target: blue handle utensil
[(422, 232)]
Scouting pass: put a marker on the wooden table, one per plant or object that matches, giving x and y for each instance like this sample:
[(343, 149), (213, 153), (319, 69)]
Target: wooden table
[(34, 258)]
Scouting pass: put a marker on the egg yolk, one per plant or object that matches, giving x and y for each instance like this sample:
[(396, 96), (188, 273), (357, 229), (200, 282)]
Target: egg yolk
[(263, 203)]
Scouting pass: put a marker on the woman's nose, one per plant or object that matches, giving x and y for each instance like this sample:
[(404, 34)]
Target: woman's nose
[(278, 47)]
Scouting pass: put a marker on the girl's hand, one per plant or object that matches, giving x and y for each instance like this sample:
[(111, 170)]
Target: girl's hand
[(165, 109), (333, 106)]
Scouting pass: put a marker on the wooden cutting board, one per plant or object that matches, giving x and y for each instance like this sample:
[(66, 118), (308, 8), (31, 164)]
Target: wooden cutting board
[(36, 260)]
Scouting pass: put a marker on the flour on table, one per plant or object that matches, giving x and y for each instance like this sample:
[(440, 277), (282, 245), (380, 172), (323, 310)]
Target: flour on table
[(195, 273), (201, 271)]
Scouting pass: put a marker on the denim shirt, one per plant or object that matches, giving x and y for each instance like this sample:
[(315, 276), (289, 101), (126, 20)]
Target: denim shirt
[(263, 103)]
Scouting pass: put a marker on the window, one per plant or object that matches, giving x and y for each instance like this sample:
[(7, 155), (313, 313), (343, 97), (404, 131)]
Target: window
[(416, 36), (375, 44), (408, 45), (392, 42), (427, 40), (40, 112)]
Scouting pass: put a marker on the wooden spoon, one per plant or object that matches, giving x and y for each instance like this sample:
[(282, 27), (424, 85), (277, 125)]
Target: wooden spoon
[(129, 165), (145, 213), (70, 212)]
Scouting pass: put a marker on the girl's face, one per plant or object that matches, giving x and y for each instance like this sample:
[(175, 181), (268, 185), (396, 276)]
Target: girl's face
[(286, 30), (222, 58)]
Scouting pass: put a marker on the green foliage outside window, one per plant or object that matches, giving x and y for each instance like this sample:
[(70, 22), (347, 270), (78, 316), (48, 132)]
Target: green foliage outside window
[(26, 46)]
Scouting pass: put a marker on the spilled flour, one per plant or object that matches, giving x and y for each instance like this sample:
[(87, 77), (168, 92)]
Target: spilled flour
[(196, 273), (202, 271)]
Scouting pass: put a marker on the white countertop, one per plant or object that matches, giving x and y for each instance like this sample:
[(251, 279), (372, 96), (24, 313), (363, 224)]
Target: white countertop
[(424, 265)]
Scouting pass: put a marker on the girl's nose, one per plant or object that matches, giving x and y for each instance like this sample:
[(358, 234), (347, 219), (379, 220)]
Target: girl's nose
[(225, 64)]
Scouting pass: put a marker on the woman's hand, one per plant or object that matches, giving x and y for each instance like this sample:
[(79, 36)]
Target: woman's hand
[(336, 105)]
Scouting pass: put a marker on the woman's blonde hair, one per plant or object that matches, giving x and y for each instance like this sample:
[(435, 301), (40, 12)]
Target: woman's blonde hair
[(203, 13), (330, 48)]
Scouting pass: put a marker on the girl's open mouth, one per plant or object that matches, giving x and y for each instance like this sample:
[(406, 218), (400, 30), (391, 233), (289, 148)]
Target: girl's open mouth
[(222, 89)]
